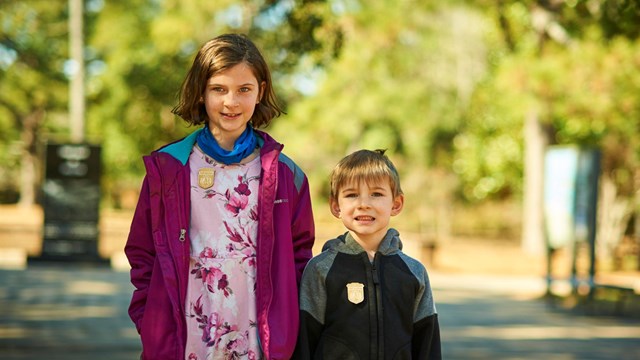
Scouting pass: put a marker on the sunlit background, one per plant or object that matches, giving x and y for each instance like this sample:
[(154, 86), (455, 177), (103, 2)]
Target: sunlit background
[(473, 100)]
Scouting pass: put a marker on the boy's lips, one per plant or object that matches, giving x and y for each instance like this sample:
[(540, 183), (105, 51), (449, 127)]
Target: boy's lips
[(364, 218)]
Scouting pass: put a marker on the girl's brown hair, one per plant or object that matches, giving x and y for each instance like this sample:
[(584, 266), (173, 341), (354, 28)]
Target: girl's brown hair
[(364, 165), (216, 55)]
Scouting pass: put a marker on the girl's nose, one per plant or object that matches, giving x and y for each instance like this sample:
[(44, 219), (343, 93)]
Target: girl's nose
[(231, 101)]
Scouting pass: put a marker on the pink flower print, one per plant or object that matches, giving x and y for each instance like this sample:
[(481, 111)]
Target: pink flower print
[(207, 253), (243, 189), (209, 160), (206, 330), (238, 344), (247, 253), (253, 214), (215, 279), (208, 194), (193, 356), (236, 203), (197, 307), (233, 234), (252, 355)]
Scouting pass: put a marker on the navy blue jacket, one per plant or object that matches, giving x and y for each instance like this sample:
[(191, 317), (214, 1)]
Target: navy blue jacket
[(353, 308)]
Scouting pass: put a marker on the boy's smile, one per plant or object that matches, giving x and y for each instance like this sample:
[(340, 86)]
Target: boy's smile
[(365, 209)]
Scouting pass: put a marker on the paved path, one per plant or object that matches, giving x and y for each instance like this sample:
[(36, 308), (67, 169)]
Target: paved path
[(502, 317), (66, 313), (54, 312)]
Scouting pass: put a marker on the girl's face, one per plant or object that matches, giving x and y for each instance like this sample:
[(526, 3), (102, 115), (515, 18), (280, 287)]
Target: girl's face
[(230, 99)]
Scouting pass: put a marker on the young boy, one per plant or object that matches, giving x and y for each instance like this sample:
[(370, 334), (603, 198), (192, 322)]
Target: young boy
[(362, 298)]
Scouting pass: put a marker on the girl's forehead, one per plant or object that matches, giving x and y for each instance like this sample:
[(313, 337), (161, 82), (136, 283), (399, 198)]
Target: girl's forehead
[(241, 72)]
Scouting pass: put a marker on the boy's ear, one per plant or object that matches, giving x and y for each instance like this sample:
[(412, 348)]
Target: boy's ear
[(398, 204), (335, 208)]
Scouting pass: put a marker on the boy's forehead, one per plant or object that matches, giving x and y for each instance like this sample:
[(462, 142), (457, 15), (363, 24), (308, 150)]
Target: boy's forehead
[(382, 182)]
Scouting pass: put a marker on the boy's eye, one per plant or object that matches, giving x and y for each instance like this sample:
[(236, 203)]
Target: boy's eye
[(377, 194), (350, 195)]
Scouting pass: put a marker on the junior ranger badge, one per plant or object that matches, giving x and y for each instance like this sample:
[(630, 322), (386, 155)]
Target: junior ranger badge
[(355, 292), (205, 177)]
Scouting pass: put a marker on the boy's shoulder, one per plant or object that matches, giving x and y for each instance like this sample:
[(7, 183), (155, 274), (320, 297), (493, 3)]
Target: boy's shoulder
[(326, 257), (410, 260)]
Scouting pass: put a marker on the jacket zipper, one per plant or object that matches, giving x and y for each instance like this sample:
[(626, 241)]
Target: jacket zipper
[(379, 340)]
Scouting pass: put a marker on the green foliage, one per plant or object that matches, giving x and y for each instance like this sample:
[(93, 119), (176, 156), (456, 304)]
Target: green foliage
[(404, 78), (584, 88), (444, 86)]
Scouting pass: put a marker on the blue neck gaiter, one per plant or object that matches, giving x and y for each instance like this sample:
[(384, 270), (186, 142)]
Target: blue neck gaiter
[(243, 147)]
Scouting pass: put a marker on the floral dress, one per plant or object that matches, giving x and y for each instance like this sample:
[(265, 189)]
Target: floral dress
[(221, 294)]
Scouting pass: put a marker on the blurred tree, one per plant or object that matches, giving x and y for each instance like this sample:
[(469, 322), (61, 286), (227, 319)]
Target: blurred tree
[(33, 49), (137, 54), (566, 68), (541, 62), (404, 77)]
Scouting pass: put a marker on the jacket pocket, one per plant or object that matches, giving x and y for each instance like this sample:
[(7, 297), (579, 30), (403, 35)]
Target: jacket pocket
[(404, 353), (333, 348)]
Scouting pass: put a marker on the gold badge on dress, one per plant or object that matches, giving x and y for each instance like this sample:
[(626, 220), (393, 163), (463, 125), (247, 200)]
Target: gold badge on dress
[(205, 177), (355, 292)]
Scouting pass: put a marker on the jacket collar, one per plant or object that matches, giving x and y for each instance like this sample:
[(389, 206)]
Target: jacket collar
[(181, 149), (347, 244)]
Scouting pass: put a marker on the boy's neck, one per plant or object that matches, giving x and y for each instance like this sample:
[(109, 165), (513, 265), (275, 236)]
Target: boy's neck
[(368, 243)]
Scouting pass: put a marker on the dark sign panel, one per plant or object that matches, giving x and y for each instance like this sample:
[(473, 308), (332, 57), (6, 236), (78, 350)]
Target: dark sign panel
[(71, 201)]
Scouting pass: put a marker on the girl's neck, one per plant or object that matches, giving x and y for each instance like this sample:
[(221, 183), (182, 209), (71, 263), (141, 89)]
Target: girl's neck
[(225, 140)]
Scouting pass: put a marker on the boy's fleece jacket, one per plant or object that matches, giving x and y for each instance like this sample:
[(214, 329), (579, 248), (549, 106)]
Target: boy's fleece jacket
[(397, 318), (158, 249)]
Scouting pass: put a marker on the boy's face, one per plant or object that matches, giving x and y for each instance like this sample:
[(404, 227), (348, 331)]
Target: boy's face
[(365, 209)]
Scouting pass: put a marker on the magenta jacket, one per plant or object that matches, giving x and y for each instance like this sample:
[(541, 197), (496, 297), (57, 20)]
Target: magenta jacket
[(158, 250)]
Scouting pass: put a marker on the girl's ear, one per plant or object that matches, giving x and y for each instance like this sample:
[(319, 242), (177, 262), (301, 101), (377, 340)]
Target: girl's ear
[(263, 85), (335, 208), (398, 204)]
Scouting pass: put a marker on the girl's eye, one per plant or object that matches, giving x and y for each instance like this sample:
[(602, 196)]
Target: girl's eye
[(218, 89), (245, 89)]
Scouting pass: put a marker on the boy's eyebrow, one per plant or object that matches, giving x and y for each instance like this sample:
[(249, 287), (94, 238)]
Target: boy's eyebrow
[(348, 189)]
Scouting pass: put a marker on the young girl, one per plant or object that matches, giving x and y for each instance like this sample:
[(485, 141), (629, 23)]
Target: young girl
[(223, 227)]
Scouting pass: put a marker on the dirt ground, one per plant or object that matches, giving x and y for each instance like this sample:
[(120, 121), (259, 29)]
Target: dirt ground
[(20, 233), (21, 236)]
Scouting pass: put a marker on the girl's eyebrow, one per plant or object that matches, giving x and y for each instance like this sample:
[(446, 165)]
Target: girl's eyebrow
[(241, 85)]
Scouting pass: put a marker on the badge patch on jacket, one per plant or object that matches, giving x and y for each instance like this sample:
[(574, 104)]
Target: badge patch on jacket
[(205, 177), (355, 292)]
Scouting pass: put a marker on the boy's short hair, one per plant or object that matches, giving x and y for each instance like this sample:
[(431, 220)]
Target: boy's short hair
[(364, 165)]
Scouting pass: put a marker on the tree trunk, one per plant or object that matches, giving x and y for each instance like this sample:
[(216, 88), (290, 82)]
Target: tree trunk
[(535, 140), (29, 162)]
